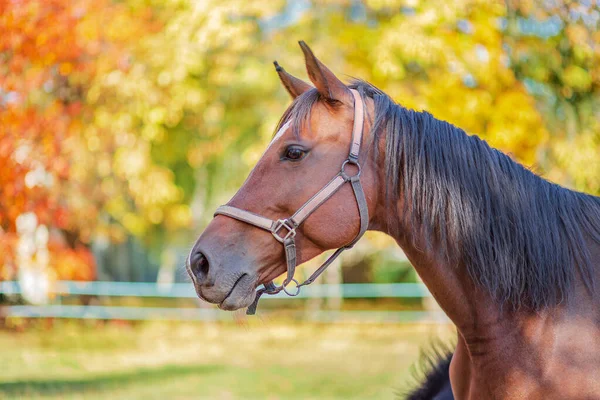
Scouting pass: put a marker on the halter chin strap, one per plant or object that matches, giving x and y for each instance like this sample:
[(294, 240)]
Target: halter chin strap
[(284, 230)]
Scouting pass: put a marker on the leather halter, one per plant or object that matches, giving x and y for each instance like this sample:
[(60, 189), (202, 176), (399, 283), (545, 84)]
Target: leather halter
[(284, 230)]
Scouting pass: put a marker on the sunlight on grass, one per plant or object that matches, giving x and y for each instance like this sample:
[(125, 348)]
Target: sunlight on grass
[(259, 360)]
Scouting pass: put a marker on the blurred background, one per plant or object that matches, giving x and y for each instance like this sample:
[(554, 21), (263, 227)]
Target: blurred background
[(123, 124)]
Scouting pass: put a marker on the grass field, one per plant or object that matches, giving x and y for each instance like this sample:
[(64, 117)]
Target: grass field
[(259, 360)]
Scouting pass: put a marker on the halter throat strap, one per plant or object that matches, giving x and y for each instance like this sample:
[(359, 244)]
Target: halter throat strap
[(284, 230)]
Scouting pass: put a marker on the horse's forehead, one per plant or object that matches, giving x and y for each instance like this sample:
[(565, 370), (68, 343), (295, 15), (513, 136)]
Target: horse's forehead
[(309, 128), (280, 133)]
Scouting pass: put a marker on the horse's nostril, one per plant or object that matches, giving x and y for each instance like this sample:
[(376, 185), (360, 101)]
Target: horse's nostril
[(199, 264), (203, 265)]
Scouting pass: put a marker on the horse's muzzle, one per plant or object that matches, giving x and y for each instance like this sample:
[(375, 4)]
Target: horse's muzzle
[(220, 280)]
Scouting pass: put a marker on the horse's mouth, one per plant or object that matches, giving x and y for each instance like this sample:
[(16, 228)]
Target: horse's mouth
[(240, 295)]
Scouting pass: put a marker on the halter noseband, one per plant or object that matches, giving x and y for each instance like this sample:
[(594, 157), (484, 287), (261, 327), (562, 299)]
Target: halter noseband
[(284, 230)]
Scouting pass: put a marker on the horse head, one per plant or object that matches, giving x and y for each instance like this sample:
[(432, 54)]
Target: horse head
[(311, 191)]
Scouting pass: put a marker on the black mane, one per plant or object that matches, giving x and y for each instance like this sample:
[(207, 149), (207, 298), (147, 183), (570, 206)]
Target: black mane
[(519, 236), (432, 374)]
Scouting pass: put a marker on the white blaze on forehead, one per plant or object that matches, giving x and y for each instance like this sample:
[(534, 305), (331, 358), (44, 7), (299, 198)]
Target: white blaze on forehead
[(279, 133)]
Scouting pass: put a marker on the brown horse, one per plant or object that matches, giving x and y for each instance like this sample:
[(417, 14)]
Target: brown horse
[(511, 258)]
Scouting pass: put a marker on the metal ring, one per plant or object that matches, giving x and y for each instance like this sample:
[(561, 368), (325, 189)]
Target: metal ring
[(297, 288), (344, 172)]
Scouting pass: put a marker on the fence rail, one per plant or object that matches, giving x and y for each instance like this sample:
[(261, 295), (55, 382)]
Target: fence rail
[(185, 290)]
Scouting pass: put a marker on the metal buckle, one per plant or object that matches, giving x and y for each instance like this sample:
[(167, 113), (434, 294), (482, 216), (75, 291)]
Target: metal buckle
[(283, 223)]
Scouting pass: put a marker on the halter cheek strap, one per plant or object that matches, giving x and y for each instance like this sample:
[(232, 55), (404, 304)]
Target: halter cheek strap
[(284, 230)]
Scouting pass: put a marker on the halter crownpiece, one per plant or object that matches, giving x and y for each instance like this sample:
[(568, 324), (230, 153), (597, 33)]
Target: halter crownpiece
[(284, 230)]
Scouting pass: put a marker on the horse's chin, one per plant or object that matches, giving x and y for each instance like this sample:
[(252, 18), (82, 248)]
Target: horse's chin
[(236, 301), (240, 295)]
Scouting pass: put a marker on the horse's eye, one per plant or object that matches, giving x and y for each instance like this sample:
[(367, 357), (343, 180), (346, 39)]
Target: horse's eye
[(294, 153)]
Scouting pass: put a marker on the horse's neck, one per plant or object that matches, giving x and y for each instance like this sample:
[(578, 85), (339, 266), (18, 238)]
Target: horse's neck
[(493, 339), (468, 306)]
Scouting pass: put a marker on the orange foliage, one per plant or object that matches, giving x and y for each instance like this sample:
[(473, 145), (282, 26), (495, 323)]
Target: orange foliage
[(73, 264), (8, 242), (48, 51)]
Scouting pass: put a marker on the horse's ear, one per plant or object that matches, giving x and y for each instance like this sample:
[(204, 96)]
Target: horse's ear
[(293, 85), (328, 85)]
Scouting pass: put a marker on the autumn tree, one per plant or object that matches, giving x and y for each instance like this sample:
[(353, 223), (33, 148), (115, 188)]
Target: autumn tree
[(49, 52), (553, 49)]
